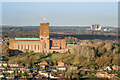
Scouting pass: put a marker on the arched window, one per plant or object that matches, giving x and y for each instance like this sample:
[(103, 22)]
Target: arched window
[(25, 46), (56, 43), (18, 47), (28, 47), (31, 47), (21, 46), (60, 44), (44, 44), (38, 47), (35, 47)]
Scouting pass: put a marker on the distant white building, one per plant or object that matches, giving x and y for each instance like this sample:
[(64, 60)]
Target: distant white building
[(106, 29), (95, 27)]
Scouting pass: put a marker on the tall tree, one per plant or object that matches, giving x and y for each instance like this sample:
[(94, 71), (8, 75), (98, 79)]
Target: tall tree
[(5, 51)]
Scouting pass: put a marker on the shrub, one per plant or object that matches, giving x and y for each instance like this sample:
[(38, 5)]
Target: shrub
[(53, 51)]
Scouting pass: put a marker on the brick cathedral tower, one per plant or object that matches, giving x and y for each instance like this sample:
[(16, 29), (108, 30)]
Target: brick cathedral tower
[(44, 37), (44, 30)]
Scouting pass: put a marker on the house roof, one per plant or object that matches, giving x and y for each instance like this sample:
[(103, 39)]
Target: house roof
[(43, 62), (60, 63)]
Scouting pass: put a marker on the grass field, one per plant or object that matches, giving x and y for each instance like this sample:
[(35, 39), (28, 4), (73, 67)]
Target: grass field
[(36, 57)]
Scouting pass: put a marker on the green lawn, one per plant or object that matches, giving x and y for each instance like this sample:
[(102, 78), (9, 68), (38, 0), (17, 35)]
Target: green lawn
[(31, 53), (45, 57), (49, 54)]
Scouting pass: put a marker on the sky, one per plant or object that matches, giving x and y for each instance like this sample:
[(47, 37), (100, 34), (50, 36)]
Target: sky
[(60, 13)]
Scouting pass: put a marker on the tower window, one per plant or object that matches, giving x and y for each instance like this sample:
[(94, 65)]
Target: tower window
[(60, 44), (45, 45), (18, 46), (56, 43)]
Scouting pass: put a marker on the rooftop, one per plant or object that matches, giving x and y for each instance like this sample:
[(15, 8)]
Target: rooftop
[(70, 44), (27, 38)]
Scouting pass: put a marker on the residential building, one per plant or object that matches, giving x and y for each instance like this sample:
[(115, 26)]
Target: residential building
[(61, 63)]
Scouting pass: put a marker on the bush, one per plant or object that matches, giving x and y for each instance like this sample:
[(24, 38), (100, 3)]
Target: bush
[(53, 51)]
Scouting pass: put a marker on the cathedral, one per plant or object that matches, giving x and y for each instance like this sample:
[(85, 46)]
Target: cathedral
[(43, 44)]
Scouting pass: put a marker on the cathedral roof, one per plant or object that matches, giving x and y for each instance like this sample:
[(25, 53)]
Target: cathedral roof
[(27, 38)]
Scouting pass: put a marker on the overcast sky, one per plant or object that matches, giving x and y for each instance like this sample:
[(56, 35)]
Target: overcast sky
[(60, 13)]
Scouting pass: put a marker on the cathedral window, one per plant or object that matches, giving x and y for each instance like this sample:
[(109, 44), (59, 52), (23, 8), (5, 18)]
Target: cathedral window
[(18, 47), (31, 47), (45, 45), (25, 46), (56, 43), (28, 47), (60, 44), (38, 47), (21, 46), (35, 47)]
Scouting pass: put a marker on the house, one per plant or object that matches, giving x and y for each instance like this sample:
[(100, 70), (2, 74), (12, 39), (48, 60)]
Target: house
[(15, 68), (106, 67), (110, 76), (30, 74), (104, 75), (42, 66), (100, 69), (3, 63), (24, 77), (1, 68), (73, 68), (52, 76), (37, 76), (21, 69), (43, 73), (60, 63), (13, 65), (11, 76), (84, 69), (43, 63), (115, 67), (101, 74), (8, 71), (54, 69), (2, 76), (61, 68)]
